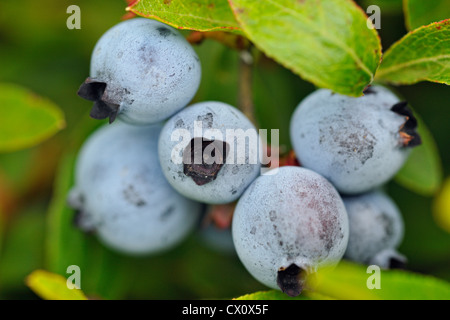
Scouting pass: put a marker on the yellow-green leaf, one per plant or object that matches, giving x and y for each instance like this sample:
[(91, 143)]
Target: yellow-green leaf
[(200, 15), (419, 12), (421, 55), (52, 286), (326, 42), (441, 207), (350, 281), (25, 118), (278, 295)]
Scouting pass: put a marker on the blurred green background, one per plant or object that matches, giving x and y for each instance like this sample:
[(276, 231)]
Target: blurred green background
[(38, 52)]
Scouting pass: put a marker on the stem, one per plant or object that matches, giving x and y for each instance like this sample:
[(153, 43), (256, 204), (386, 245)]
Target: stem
[(245, 101), (230, 40)]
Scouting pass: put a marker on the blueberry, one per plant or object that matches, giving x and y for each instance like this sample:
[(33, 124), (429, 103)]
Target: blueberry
[(288, 225), (358, 144), (143, 71), (122, 195), (376, 230), (205, 155)]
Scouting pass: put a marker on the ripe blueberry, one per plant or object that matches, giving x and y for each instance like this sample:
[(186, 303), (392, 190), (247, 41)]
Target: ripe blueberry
[(122, 195), (287, 225), (209, 152), (356, 143), (143, 71), (376, 230)]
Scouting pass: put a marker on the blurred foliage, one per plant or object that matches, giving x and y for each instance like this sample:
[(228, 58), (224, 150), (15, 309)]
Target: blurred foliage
[(422, 172), (441, 208), (39, 53), (419, 12), (26, 119), (22, 250)]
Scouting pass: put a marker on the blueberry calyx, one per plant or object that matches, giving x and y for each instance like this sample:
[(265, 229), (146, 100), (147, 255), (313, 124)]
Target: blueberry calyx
[(396, 263), (368, 90), (203, 159), (291, 280), (82, 221), (408, 134), (94, 90), (80, 218)]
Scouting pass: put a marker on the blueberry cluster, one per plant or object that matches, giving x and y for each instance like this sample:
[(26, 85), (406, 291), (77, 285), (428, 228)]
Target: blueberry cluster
[(292, 222), (359, 144), (141, 183), (142, 72)]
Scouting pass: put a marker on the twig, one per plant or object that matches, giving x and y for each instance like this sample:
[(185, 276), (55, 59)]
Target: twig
[(245, 101), (233, 41)]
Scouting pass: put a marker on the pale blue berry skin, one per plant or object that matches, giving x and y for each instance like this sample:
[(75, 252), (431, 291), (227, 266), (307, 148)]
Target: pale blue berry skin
[(151, 71), (353, 142), (233, 178), (292, 217), (122, 195), (376, 229)]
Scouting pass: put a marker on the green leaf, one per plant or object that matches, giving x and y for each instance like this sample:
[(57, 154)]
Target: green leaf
[(51, 286), (200, 15), (327, 43), (422, 172), (65, 244), (26, 119), (349, 281), (22, 250), (278, 295), (2, 233), (269, 295), (421, 55), (419, 12)]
